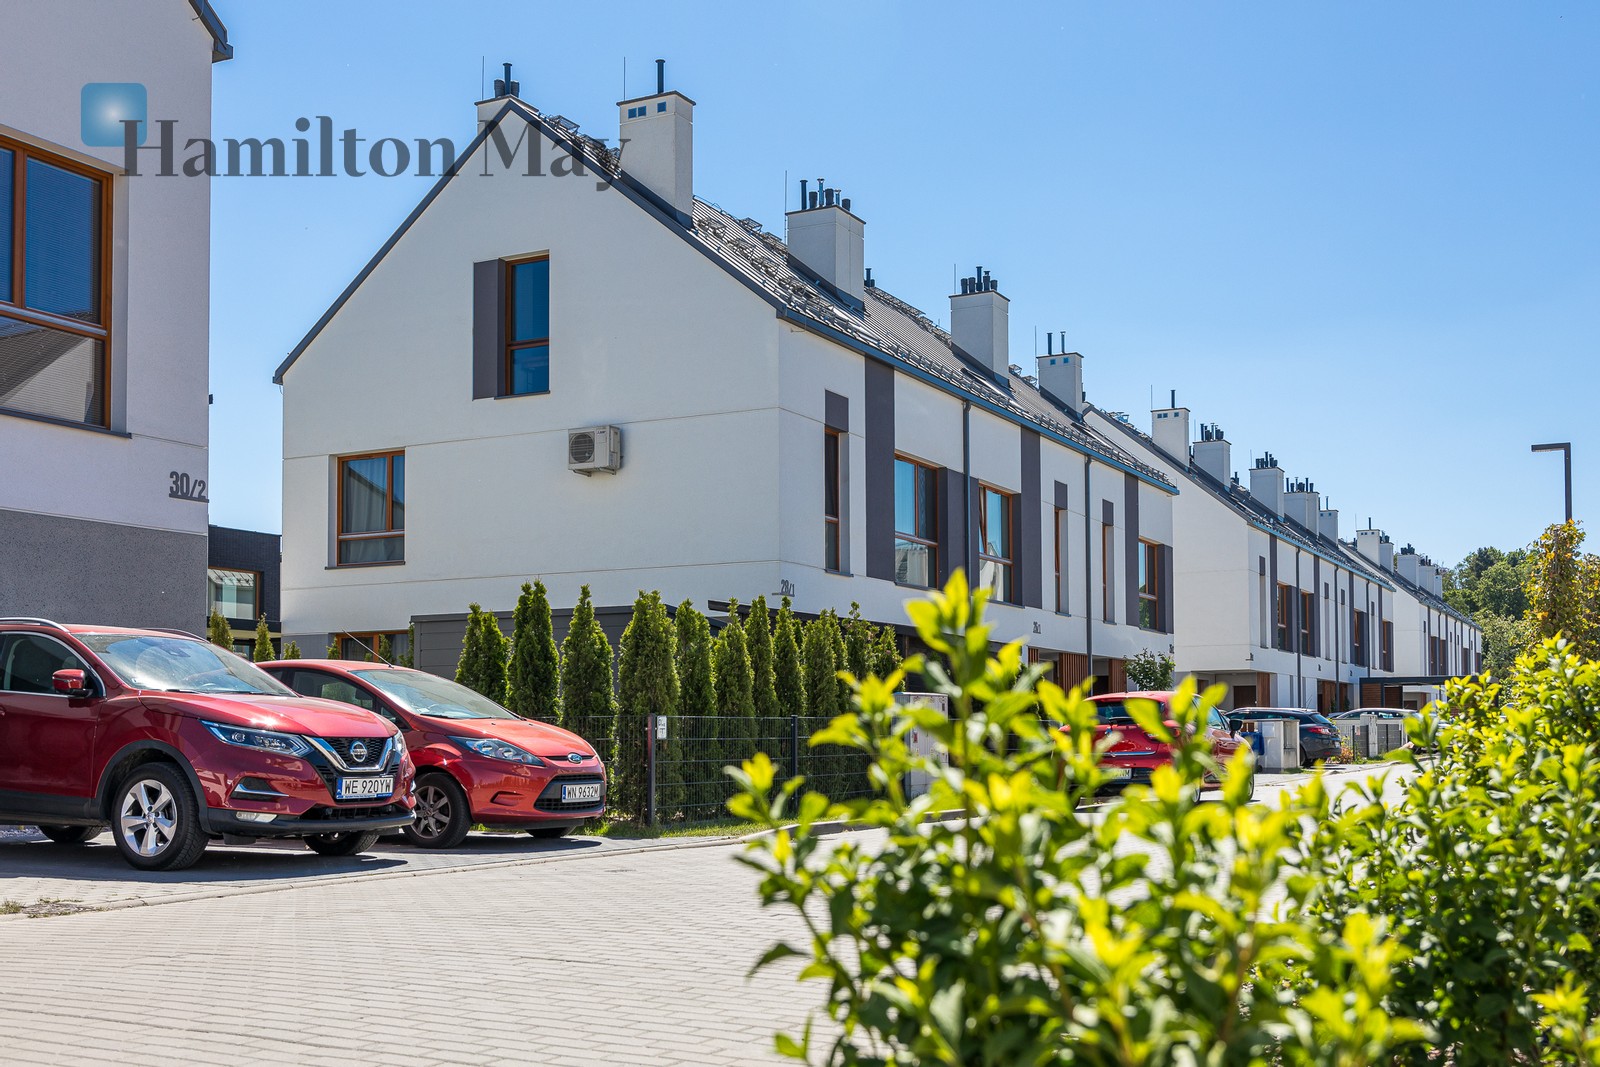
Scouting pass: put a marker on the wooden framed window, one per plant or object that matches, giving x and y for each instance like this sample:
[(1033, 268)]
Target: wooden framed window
[(832, 497), (372, 509), (1285, 615), (1358, 639), (1308, 614), (1150, 591), (55, 288), (356, 646), (527, 358), (995, 552), (916, 523), (1386, 645)]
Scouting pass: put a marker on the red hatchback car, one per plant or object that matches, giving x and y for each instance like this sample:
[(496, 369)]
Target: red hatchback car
[(476, 761), (172, 741), (1135, 754)]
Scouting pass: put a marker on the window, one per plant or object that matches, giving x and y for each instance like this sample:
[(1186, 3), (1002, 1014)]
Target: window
[(28, 663), (372, 509), (1107, 546), (1150, 586), (527, 327), (1358, 639), (994, 542), (1062, 585), (661, 106), (1308, 612), (54, 288), (832, 497), (356, 645), (916, 529), (1386, 645), (1285, 613), (234, 594)]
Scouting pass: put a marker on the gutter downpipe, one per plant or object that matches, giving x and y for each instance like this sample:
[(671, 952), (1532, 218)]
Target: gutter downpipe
[(1088, 572), (1299, 667), (966, 494)]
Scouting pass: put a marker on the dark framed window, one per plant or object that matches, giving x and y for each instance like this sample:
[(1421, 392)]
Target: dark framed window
[(235, 594), (1285, 613), (916, 523), (995, 553), (1308, 613), (372, 509), (1062, 519), (55, 287), (1386, 645), (1150, 586), (832, 497), (527, 359), (1358, 639)]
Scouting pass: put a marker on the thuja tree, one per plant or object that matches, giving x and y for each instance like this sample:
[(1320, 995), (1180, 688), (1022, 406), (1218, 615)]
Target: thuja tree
[(262, 652), (533, 680), (758, 636), (696, 776), (841, 657), (587, 701), (857, 633), (1165, 932), (820, 665), (218, 632), (735, 690), (482, 666), (408, 658), (381, 650), (647, 684), (291, 650), (885, 653), (788, 674)]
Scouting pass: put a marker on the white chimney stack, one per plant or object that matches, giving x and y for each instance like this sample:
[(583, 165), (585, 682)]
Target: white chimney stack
[(1328, 521), (1061, 375), (980, 322), (828, 240), (1303, 504), (1266, 484), (1368, 542), (658, 144), (1213, 454), (1408, 565), (1169, 429)]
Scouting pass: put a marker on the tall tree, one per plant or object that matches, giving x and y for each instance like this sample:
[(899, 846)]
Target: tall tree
[(588, 703), (692, 786), (534, 678), (482, 666), (1564, 589), (262, 652), (841, 657), (788, 675), (758, 636), (857, 643), (885, 654), (821, 663), (697, 692), (735, 690), (647, 684), (218, 632)]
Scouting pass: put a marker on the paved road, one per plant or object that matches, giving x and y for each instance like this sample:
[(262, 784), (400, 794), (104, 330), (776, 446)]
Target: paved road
[(504, 952)]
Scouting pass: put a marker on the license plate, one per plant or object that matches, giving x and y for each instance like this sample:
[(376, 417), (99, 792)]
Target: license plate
[(575, 793), (365, 788), (1116, 773)]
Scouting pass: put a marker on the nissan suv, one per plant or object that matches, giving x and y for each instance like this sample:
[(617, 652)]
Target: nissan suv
[(173, 742)]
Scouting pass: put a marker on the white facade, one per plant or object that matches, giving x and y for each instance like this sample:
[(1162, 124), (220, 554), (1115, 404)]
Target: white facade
[(724, 364), (79, 500)]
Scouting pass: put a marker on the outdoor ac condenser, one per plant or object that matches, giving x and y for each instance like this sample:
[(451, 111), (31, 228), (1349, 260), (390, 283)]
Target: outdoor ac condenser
[(920, 742), (594, 449)]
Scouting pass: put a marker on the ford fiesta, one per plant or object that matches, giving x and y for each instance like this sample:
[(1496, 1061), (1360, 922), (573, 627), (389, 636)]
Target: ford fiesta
[(476, 761), (1134, 755), (173, 742)]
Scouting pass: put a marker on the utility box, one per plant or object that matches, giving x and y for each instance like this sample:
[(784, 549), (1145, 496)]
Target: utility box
[(921, 742), (1280, 744)]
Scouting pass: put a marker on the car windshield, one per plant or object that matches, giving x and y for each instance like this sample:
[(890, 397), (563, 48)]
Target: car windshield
[(1114, 711), (430, 695), (180, 665)]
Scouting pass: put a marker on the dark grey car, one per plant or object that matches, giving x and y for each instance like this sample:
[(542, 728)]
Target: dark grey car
[(1319, 738)]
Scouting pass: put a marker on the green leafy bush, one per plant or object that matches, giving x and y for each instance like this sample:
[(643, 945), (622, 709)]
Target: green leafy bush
[(1149, 672), (1165, 932)]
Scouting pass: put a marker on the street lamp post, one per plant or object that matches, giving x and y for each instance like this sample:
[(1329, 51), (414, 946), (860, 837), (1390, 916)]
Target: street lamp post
[(1565, 448)]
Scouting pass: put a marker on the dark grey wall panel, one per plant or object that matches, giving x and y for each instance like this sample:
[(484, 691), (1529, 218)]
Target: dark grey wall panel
[(1130, 541), (836, 411), (877, 430), (952, 524), (250, 550), (1272, 589), (74, 570), (488, 327), (1030, 554), (1063, 495), (1167, 623)]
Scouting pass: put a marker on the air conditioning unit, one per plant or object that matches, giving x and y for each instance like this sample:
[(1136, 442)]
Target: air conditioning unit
[(593, 449)]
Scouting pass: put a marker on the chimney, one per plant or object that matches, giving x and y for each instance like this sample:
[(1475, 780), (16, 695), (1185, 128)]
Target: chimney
[(1213, 454), (504, 88), (1266, 484), (1408, 565), (1061, 373), (828, 240), (1437, 586), (1368, 542), (1169, 429), (980, 322), (1386, 553), (657, 133), (1303, 503), (1328, 521)]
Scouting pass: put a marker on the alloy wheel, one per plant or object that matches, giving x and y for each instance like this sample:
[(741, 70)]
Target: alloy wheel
[(149, 818), (433, 810)]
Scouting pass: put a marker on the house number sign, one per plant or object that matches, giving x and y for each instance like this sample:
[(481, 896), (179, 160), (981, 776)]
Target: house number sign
[(185, 487)]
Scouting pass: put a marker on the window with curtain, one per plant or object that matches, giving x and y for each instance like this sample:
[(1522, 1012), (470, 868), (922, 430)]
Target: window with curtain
[(527, 327), (916, 529), (54, 304), (832, 496), (1150, 586), (994, 542), (372, 515)]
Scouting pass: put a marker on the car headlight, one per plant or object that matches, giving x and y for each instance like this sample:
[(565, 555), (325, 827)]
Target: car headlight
[(263, 740), (488, 746)]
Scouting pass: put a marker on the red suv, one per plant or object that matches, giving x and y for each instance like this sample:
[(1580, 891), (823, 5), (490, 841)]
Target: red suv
[(477, 762), (1135, 754), (172, 741)]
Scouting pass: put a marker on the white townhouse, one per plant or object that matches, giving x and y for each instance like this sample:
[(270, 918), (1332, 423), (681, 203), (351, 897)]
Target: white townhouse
[(1270, 602), (104, 320), (565, 364)]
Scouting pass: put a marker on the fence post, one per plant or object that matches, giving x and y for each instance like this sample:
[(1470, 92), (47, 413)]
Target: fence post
[(650, 762), (794, 746)]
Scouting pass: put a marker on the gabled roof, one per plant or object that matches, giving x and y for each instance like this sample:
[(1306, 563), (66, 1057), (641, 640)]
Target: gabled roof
[(887, 328), (220, 48), (1429, 598)]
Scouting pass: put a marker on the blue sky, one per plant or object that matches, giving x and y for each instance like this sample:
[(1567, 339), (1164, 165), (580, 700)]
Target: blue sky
[(1364, 237)]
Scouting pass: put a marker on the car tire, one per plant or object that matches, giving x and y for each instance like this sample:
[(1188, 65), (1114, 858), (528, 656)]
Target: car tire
[(69, 835), (348, 843), (155, 820), (550, 833), (443, 815), (1250, 785)]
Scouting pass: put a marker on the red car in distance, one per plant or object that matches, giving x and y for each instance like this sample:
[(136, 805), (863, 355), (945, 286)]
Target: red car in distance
[(1135, 755), (476, 761)]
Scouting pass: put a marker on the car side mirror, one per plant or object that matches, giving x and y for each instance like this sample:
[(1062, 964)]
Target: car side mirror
[(72, 683), (1233, 727)]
